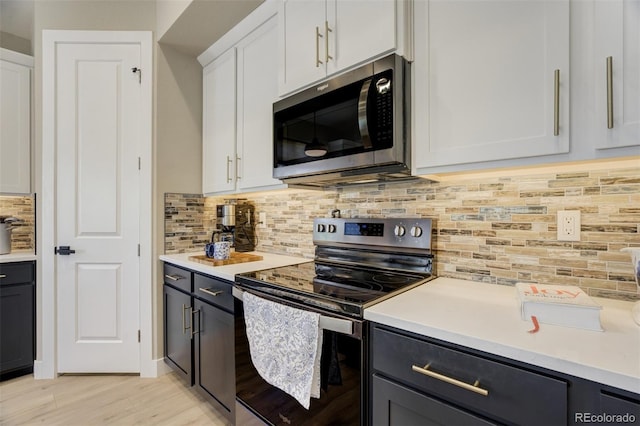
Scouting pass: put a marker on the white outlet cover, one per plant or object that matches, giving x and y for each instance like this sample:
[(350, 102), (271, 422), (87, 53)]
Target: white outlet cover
[(568, 225)]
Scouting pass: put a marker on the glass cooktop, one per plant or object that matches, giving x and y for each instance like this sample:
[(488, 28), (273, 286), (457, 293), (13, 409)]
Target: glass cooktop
[(338, 288)]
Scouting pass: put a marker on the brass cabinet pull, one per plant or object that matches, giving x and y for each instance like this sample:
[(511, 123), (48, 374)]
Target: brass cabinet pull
[(556, 103), (229, 161), (184, 323), (473, 388), (174, 277), (212, 293), (193, 329), (327, 30), (610, 92), (318, 35)]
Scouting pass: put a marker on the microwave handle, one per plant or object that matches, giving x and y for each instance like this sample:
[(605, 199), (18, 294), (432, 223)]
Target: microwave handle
[(362, 114)]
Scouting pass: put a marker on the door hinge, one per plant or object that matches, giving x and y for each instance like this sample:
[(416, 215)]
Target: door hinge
[(138, 336), (139, 164), (138, 250)]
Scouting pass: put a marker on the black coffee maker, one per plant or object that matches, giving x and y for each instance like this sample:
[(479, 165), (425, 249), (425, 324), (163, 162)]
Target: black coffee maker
[(235, 218)]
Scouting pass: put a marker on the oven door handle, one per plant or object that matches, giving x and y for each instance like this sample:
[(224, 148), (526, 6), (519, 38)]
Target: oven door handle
[(338, 325)]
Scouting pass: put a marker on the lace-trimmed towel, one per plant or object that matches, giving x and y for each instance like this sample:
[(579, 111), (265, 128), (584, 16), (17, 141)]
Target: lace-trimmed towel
[(285, 345)]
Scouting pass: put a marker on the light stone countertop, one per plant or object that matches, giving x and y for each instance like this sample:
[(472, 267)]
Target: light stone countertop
[(486, 317), (18, 256), (228, 272)]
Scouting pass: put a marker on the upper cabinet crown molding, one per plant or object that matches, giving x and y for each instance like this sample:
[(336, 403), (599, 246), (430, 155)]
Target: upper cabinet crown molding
[(16, 57), (15, 116)]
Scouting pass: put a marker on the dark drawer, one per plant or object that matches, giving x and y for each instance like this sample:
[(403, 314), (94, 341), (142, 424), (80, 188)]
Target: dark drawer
[(178, 277), (214, 290), (514, 395), (17, 272)]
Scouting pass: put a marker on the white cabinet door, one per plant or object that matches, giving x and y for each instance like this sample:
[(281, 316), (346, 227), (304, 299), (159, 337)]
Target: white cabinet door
[(15, 127), (218, 122), (617, 100), (324, 37), (360, 30), (257, 90), (303, 44), (485, 81)]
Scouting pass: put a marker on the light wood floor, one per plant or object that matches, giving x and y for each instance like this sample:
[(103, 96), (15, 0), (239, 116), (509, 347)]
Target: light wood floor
[(103, 400)]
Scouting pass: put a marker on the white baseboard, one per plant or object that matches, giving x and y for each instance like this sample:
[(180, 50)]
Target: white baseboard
[(157, 368), (42, 371)]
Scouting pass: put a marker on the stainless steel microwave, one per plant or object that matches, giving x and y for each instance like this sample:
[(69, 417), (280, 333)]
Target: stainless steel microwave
[(353, 128)]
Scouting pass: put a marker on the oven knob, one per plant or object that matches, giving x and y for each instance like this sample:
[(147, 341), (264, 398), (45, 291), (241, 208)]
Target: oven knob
[(416, 231), (332, 228), (399, 231), (321, 227)]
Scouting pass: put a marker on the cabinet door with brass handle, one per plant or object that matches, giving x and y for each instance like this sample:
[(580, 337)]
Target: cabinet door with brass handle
[(462, 377), (615, 77)]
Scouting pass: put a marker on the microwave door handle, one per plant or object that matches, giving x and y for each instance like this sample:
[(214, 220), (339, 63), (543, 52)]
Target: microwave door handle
[(362, 114)]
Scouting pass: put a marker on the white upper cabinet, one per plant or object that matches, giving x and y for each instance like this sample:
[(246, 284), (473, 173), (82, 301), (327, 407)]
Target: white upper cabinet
[(323, 37), (218, 121), (491, 81), (257, 77), (240, 82), (617, 73), (15, 122)]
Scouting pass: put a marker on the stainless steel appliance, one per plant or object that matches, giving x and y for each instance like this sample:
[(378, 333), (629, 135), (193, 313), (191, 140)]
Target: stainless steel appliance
[(235, 223), (353, 128), (358, 262), (6, 225)]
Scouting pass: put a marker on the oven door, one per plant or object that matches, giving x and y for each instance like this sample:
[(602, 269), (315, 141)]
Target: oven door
[(343, 374)]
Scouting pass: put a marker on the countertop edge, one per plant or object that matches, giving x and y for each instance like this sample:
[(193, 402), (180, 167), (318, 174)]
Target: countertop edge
[(555, 359), (228, 272), (18, 256)]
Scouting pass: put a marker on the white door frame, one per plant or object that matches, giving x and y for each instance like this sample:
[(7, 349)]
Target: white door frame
[(46, 367)]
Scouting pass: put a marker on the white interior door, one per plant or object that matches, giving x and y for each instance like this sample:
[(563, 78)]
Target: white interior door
[(98, 99)]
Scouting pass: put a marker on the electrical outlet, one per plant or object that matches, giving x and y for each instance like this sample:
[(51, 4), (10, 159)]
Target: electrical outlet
[(569, 225), (262, 220)]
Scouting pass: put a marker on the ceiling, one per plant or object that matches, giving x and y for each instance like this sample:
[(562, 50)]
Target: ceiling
[(200, 25), (205, 21), (16, 17)]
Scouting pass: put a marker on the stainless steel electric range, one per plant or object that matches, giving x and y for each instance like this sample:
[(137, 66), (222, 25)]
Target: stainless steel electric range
[(358, 262)]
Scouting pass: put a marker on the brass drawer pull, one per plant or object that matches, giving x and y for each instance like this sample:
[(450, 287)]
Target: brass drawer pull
[(211, 293), (174, 277), (473, 388)]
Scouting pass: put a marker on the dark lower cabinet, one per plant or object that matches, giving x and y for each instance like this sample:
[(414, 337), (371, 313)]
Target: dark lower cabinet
[(214, 360), (395, 404), (418, 380), (199, 334), (178, 345), (17, 319)]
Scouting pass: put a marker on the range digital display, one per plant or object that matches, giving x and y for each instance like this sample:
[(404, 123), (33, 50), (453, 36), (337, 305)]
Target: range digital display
[(364, 229)]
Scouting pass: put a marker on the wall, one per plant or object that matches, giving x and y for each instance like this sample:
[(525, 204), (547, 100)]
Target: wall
[(23, 234), (497, 230)]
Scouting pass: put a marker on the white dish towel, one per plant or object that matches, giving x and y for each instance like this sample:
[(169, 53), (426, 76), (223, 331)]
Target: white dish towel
[(285, 345)]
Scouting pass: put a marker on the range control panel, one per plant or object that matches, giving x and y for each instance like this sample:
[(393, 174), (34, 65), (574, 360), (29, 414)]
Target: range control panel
[(400, 232)]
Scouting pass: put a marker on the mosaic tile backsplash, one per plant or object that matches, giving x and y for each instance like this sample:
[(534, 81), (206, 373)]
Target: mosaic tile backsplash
[(497, 230), (23, 233)]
